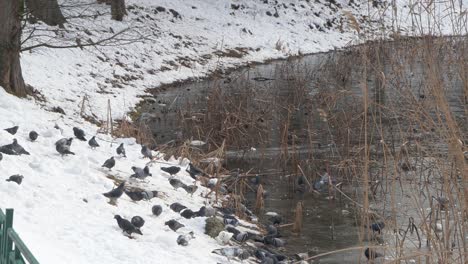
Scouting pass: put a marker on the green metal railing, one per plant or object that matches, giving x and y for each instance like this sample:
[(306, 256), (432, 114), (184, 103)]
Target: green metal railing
[(12, 248)]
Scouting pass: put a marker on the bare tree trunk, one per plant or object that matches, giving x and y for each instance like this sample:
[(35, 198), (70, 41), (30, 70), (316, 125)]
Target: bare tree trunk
[(11, 78), (118, 10), (47, 11)]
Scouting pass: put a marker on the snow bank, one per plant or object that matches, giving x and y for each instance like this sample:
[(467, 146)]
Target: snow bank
[(60, 211)]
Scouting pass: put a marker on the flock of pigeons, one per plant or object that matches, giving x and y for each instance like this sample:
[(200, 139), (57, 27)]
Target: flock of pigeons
[(264, 254)]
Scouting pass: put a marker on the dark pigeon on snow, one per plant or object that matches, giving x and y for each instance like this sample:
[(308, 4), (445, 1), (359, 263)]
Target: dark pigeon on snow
[(171, 170), (15, 178), (156, 210), (127, 226), (138, 221), (33, 135), (93, 143), (140, 195), (12, 130), (176, 183), (194, 171), (183, 240), (187, 214), (64, 141), (110, 163), (114, 194), (63, 146), (173, 224), (13, 149), (146, 152), (140, 173), (79, 133), (121, 150), (177, 207)]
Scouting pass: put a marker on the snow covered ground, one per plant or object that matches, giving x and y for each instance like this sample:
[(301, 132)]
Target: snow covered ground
[(60, 211)]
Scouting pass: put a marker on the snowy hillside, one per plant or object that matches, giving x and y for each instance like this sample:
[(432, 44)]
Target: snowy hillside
[(178, 40), (60, 211)]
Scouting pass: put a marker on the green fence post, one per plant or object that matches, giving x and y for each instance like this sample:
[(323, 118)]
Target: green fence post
[(8, 225)]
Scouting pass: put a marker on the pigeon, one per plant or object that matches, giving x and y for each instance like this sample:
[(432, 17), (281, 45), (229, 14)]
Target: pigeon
[(277, 242), (272, 231), (190, 188), (372, 254), (173, 224), (146, 152), (230, 253), (121, 150), (140, 195), (377, 227), (33, 135), (138, 221), (187, 214), (176, 183), (64, 141), (171, 170), (126, 226), (13, 149), (93, 143), (141, 173), (156, 210), (276, 219), (230, 220), (114, 194), (64, 149), (79, 133), (110, 163), (183, 240), (194, 171), (15, 178), (242, 237), (177, 207), (12, 130), (205, 212)]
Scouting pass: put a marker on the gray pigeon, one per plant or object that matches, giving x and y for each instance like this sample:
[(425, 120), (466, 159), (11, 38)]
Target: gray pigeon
[(13, 149), (176, 183), (138, 221), (171, 170), (277, 242), (177, 207), (126, 226), (140, 173), (187, 214), (140, 195), (156, 210), (191, 189), (93, 143), (64, 141), (183, 240), (15, 178), (174, 225), (33, 135), (121, 150), (12, 130), (114, 194), (146, 152), (194, 171), (63, 148), (110, 163), (79, 133)]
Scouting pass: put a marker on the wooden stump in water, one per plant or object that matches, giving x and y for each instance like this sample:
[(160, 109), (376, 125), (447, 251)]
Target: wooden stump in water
[(298, 217)]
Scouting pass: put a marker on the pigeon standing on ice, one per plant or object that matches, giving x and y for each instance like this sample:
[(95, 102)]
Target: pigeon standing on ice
[(173, 170), (114, 194), (33, 135), (138, 221), (16, 178), (126, 226), (63, 146), (79, 133), (146, 152), (156, 210), (121, 150), (93, 143), (12, 130), (110, 163), (140, 173)]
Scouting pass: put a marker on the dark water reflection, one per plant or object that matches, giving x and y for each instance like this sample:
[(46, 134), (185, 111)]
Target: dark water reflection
[(286, 104)]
